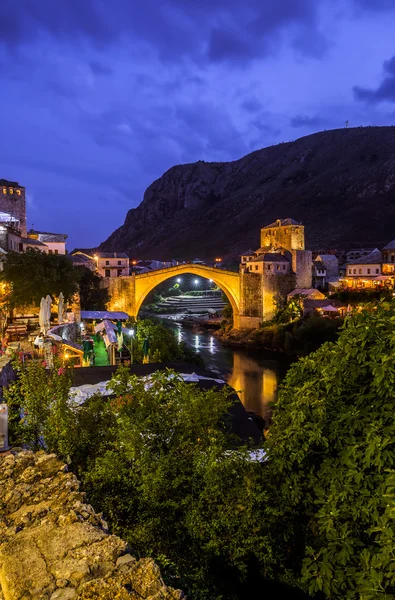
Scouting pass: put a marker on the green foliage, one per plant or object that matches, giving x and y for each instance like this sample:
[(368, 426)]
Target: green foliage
[(163, 344), (92, 295), (33, 275), (39, 408), (293, 310), (171, 486), (331, 462)]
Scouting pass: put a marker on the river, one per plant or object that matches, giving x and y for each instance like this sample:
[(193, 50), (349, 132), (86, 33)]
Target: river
[(252, 373)]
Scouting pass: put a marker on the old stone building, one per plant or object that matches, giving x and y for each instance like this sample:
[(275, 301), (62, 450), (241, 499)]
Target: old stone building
[(279, 266), (13, 205)]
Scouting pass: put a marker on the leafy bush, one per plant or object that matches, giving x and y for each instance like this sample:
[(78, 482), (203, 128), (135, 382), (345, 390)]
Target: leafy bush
[(331, 462)]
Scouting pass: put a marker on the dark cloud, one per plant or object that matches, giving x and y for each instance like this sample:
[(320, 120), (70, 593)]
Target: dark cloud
[(376, 5), (385, 92), (311, 42), (226, 45), (306, 121), (99, 69), (251, 105), (214, 29)]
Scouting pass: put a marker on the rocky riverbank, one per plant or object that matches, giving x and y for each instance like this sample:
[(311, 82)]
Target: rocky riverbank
[(53, 546)]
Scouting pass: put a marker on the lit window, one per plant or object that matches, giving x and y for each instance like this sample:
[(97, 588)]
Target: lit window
[(4, 190), (18, 192), (11, 190)]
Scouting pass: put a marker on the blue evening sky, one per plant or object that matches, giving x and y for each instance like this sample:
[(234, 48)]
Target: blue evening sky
[(100, 97)]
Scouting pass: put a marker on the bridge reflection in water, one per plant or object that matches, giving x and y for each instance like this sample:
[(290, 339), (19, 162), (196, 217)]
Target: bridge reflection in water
[(255, 384), (249, 372)]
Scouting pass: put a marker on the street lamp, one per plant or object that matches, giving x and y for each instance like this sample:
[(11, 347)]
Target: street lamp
[(196, 281), (178, 279)]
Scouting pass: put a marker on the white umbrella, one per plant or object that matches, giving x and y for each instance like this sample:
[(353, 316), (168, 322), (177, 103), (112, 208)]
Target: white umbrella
[(42, 314), (60, 308), (48, 302)]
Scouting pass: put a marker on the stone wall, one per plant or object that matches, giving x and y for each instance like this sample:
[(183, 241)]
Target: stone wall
[(251, 297), (276, 287), (53, 546)]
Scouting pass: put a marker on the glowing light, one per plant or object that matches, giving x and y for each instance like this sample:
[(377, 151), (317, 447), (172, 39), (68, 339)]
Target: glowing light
[(196, 281), (131, 332), (178, 279)]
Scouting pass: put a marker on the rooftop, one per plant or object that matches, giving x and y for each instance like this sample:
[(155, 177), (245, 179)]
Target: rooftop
[(10, 183), (282, 223), (390, 246), (326, 257), (32, 242), (374, 258), (112, 255), (46, 236)]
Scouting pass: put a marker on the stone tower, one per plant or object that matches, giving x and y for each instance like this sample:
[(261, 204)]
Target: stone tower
[(13, 204), (283, 233)]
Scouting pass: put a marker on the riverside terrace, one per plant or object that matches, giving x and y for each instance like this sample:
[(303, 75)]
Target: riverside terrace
[(241, 423)]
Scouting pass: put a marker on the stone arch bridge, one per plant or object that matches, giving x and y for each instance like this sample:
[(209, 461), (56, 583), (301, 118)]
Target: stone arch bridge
[(128, 293)]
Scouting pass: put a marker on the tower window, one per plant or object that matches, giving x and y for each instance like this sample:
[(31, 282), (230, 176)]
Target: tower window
[(18, 192), (4, 190), (11, 190)]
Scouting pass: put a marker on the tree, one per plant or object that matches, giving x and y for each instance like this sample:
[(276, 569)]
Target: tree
[(331, 463), (177, 486), (33, 275), (163, 345), (92, 295)]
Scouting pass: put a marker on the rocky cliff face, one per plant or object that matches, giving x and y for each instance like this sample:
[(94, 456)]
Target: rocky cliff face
[(340, 184), (53, 546)]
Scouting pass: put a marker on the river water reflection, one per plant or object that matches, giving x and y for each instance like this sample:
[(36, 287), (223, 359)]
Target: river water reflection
[(251, 373)]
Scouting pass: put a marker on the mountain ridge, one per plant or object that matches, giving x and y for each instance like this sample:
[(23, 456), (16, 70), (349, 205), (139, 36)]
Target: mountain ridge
[(340, 183)]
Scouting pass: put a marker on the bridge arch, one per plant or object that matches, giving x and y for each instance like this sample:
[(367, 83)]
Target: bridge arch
[(128, 293), (227, 281)]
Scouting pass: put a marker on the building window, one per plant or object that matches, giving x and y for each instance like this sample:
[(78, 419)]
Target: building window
[(11, 190), (377, 271), (283, 267), (269, 267), (349, 271), (4, 190), (18, 192), (107, 262), (107, 273), (119, 262), (360, 271), (49, 251), (56, 251), (355, 271), (256, 267), (278, 267), (119, 272), (368, 271)]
